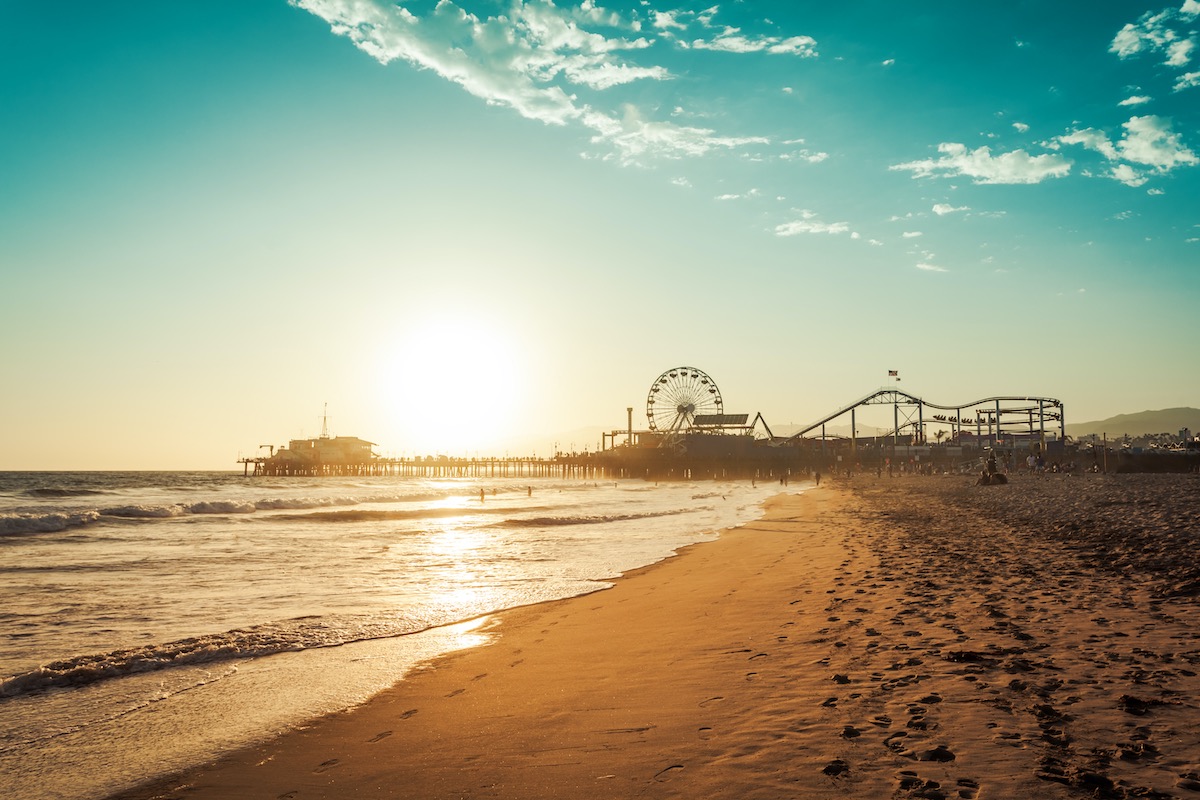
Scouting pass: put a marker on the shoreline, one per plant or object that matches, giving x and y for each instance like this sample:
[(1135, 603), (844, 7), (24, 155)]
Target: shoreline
[(882, 638)]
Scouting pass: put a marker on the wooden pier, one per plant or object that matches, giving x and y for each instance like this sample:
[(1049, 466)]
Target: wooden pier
[(583, 467)]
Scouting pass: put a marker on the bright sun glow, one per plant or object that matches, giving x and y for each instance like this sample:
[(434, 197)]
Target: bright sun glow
[(452, 385)]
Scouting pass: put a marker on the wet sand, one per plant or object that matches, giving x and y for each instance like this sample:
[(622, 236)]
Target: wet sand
[(915, 637)]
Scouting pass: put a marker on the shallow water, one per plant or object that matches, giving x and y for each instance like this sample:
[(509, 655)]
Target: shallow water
[(138, 608)]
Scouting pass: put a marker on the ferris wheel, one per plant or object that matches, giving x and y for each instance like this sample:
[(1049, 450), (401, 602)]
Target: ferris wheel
[(678, 395)]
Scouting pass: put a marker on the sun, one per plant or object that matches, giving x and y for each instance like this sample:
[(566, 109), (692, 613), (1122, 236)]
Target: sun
[(452, 385)]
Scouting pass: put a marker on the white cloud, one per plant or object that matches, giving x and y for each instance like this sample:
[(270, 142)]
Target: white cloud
[(1165, 32), (1180, 53), (805, 155), (683, 182), (930, 267), (889, 62), (1016, 167), (942, 209), (911, 234), (1128, 175), (666, 20), (533, 59), (731, 40), (1135, 100), (1020, 126), (1148, 141), (1092, 139), (634, 138), (808, 223), (511, 60), (1188, 80), (1155, 192)]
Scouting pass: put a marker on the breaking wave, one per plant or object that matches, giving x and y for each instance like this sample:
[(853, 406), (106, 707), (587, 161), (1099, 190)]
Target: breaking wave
[(53, 522), (540, 522), (305, 633)]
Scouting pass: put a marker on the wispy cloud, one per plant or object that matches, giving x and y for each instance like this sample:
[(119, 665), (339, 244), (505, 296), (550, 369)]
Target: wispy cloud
[(930, 267), (1017, 166), (1188, 80), (942, 209), (634, 139), (554, 65), (808, 223), (1135, 100), (732, 40)]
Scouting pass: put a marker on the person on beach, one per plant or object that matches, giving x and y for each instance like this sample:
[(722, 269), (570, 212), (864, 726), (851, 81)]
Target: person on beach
[(818, 477)]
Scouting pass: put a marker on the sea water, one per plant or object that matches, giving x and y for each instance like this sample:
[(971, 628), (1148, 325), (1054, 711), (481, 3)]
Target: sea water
[(150, 621)]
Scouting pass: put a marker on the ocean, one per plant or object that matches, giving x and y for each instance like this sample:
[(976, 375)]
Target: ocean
[(150, 621)]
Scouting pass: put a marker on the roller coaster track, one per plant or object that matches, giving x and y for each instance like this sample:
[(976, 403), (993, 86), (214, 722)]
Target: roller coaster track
[(1045, 407)]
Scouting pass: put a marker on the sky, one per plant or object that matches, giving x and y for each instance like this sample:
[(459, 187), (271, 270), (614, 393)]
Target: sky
[(482, 228)]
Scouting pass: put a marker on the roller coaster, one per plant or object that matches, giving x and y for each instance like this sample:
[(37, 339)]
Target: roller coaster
[(991, 418)]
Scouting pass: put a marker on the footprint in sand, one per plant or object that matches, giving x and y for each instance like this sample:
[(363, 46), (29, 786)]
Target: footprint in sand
[(710, 701), (408, 713), (379, 737), (288, 795), (456, 692), (325, 766), (706, 733), (665, 774)]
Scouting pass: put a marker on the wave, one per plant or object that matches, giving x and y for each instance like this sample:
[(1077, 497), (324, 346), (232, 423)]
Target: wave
[(138, 512), (52, 522), (55, 492), (375, 515), (304, 633), (600, 519)]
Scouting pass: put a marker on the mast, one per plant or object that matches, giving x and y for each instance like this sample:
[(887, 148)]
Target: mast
[(325, 422)]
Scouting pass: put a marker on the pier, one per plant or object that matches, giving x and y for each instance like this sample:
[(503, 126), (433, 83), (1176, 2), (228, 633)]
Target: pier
[(692, 437), (575, 466)]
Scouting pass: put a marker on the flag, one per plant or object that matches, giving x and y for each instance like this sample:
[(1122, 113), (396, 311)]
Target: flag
[(893, 373)]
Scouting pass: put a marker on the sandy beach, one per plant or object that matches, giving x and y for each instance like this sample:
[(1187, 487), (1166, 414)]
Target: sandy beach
[(874, 637)]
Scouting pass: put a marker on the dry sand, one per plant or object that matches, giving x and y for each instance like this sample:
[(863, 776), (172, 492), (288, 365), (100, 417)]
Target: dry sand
[(916, 637)]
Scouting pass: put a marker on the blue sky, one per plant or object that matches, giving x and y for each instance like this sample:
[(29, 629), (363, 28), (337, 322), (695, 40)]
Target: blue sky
[(473, 227)]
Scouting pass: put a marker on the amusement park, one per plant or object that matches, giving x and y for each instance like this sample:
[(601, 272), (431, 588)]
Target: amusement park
[(687, 433)]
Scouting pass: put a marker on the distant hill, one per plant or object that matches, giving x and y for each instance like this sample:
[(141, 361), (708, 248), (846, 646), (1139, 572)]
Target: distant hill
[(1168, 420)]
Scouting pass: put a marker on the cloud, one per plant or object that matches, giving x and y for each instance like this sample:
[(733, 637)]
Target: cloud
[(1188, 80), (889, 62), (635, 139), (930, 267), (515, 61), (1147, 142), (667, 20), (731, 40), (1136, 100), (808, 223), (1128, 175), (1020, 126), (1016, 167), (942, 209), (912, 234), (1165, 32), (535, 59)]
